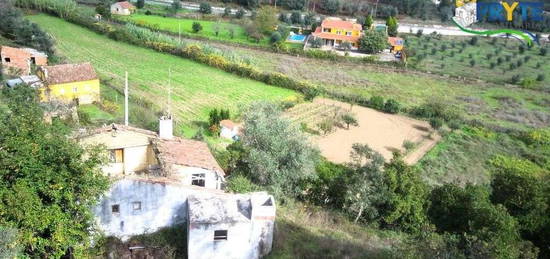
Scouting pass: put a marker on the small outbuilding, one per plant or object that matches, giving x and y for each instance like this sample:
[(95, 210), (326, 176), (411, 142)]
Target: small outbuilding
[(18, 61), (396, 44), (230, 225), (123, 8), (230, 129)]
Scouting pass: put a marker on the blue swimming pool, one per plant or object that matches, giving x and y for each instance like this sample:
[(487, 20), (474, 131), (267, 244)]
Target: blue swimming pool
[(297, 37)]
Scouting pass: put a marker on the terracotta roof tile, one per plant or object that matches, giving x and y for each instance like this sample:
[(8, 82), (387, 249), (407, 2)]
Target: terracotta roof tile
[(228, 124), (331, 36), (340, 24), (187, 152), (68, 73), (125, 5)]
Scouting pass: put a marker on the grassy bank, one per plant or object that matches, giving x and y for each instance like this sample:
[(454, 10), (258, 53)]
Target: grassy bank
[(196, 88), (185, 27)]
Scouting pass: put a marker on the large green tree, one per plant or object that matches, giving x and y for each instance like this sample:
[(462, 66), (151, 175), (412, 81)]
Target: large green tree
[(266, 20), (487, 230), (372, 42), (48, 183), (278, 154), (406, 206)]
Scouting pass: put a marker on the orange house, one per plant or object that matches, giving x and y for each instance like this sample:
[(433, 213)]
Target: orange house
[(396, 43), (334, 32), (18, 61)]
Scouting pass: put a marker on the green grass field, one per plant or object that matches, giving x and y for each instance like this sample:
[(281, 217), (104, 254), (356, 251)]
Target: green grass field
[(185, 27), (196, 88), (503, 105), (494, 60)]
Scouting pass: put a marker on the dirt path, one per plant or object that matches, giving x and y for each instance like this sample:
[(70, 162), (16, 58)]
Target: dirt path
[(383, 132)]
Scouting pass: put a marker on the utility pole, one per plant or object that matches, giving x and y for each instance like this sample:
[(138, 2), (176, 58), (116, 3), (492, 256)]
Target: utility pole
[(170, 92), (126, 99)]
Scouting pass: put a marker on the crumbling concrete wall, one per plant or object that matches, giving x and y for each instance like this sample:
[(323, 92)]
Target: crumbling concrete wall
[(239, 243), (160, 205)]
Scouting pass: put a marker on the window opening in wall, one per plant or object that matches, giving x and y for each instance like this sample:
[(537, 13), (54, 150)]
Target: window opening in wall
[(136, 205), (8, 60), (268, 202), (220, 235), (116, 155), (198, 179), (33, 60), (115, 208)]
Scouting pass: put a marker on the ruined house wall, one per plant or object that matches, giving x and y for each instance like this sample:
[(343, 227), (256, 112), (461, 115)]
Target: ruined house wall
[(185, 173), (239, 244), (161, 205)]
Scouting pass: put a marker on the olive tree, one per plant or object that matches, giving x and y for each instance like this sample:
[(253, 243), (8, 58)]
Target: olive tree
[(278, 154)]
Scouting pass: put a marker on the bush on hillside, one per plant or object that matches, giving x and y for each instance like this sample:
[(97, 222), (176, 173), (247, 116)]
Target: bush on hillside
[(196, 27), (205, 8)]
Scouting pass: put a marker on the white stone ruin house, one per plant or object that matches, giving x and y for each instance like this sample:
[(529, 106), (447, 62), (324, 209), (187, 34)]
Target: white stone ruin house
[(160, 181)]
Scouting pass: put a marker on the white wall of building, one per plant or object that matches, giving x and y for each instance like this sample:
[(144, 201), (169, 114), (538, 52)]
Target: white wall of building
[(117, 9), (161, 205), (185, 175), (239, 243)]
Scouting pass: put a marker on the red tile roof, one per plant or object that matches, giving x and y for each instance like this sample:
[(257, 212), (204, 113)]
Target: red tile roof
[(340, 24), (126, 5), (395, 41), (187, 152), (228, 124), (68, 73), (331, 36)]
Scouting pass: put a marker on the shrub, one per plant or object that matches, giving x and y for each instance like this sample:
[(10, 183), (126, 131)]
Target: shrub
[(227, 12), (508, 58), (409, 145), (473, 41), (472, 62), (492, 65), (391, 106), (349, 119), (240, 13), (526, 59), (543, 51), (521, 49), (499, 60), (540, 77), (197, 27), (275, 37), (205, 8), (515, 79), (148, 12), (326, 126), (436, 123), (317, 42), (419, 33), (240, 184), (527, 82), (376, 102)]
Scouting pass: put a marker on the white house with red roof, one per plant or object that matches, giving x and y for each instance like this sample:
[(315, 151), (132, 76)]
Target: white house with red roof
[(122, 8), (230, 129), (335, 31)]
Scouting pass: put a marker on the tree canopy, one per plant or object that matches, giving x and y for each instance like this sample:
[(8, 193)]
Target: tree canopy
[(277, 153), (372, 42), (48, 183)]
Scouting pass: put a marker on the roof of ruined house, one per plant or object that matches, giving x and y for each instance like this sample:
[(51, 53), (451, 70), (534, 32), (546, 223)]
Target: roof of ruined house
[(211, 209), (229, 124), (175, 151), (11, 51), (68, 73), (125, 5), (187, 152)]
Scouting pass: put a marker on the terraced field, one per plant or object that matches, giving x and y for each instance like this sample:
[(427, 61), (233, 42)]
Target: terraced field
[(196, 88)]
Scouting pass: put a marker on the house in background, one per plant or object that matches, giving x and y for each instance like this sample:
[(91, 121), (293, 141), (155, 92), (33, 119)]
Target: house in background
[(69, 83), (230, 130), (335, 31), (123, 8), (230, 226), (465, 12), (18, 61), (396, 44)]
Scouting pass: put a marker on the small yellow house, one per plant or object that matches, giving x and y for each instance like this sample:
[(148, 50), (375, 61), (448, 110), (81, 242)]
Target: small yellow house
[(396, 44), (68, 83), (334, 32)]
